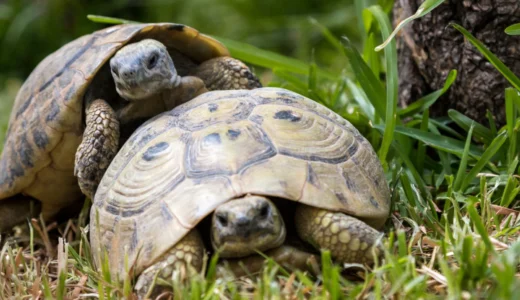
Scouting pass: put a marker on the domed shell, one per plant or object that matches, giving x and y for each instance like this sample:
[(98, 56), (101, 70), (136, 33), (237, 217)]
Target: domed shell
[(178, 167), (46, 126)]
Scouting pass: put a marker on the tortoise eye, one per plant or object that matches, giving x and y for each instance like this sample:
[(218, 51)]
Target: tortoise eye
[(264, 211), (152, 61), (222, 220)]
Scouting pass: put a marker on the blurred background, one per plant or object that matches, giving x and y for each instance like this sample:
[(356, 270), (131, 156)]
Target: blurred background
[(32, 29)]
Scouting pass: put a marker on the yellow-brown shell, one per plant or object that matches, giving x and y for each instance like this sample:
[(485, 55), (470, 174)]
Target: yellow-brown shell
[(177, 168), (46, 126)]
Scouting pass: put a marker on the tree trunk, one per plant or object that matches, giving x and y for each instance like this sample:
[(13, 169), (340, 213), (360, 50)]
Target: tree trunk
[(428, 49)]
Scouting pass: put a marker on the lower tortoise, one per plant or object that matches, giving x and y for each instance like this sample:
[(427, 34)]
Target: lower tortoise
[(224, 161), (82, 101)]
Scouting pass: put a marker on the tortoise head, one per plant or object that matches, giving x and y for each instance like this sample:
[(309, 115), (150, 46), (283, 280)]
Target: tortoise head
[(242, 226), (143, 69)]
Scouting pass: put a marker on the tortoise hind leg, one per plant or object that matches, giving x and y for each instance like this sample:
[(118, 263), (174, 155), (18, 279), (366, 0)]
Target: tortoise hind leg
[(98, 147), (182, 259), (226, 73), (349, 240), (17, 209)]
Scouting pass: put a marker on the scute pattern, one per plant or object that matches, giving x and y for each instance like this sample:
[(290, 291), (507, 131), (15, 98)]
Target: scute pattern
[(228, 111), (216, 152), (46, 125), (304, 135), (225, 144)]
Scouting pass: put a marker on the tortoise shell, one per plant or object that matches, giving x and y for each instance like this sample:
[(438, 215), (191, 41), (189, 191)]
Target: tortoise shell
[(46, 124), (179, 166)]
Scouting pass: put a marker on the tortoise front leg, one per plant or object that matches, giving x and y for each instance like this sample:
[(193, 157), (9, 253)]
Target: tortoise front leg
[(349, 240), (181, 260), (226, 73), (98, 147)]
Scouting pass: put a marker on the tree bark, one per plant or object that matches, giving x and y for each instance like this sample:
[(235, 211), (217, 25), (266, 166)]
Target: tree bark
[(428, 49)]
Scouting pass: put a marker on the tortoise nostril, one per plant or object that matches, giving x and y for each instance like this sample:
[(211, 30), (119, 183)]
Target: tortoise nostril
[(128, 74)]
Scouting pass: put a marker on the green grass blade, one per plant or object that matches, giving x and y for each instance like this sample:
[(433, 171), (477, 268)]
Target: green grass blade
[(428, 100), (499, 65), (481, 133), (442, 126), (463, 161), (511, 117), (371, 57), (267, 59), (421, 149), (409, 164), (366, 78), (361, 98), (426, 7), (479, 226), (513, 29), (46, 286), (436, 141), (493, 148), (109, 20), (391, 81), (510, 192)]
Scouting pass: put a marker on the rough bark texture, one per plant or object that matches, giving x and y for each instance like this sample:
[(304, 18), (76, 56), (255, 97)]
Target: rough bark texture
[(428, 49)]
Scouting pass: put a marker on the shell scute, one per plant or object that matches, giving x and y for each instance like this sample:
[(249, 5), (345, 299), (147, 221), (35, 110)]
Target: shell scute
[(302, 134), (208, 114), (227, 149)]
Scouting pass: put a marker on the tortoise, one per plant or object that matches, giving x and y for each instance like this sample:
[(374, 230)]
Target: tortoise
[(228, 155), (84, 100)]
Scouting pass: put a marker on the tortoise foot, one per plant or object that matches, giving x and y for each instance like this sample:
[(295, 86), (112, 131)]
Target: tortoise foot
[(349, 240), (226, 73), (181, 261), (98, 147)]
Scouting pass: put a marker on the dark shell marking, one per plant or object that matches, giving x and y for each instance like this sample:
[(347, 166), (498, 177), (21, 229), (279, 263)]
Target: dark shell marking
[(154, 150), (212, 138), (233, 134), (287, 115)]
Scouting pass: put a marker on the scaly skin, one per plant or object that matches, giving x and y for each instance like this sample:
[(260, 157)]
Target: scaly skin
[(349, 240), (99, 146), (183, 259), (226, 73), (145, 75)]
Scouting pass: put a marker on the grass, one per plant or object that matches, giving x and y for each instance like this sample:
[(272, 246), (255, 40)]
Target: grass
[(453, 232)]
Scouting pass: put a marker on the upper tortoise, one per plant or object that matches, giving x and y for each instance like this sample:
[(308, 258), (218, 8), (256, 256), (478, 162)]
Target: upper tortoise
[(83, 100), (238, 157)]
